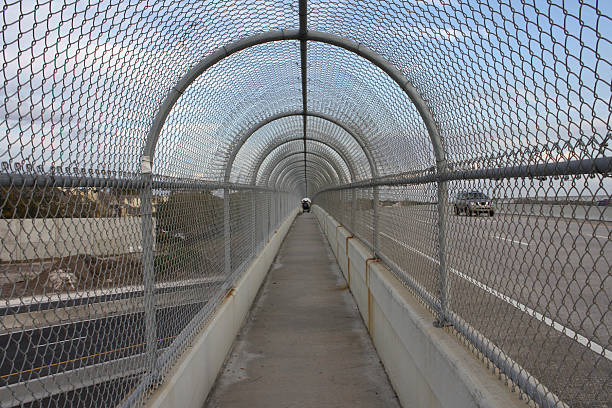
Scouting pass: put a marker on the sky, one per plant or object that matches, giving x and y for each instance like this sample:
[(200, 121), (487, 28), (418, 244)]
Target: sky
[(82, 82)]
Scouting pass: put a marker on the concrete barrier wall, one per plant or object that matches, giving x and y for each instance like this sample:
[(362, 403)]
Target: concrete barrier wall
[(569, 212), (426, 365), (192, 378), (39, 238)]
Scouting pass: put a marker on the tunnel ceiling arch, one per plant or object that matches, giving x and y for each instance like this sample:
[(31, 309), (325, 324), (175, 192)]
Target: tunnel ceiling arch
[(354, 92), (318, 175), (110, 79), (268, 137), (337, 159), (358, 138), (331, 171), (337, 149), (344, 170)]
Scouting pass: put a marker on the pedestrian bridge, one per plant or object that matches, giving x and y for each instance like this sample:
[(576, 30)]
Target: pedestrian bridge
[(457, 154)]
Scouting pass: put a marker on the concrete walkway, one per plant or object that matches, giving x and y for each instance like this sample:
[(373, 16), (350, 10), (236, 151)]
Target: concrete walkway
[(304, 344)]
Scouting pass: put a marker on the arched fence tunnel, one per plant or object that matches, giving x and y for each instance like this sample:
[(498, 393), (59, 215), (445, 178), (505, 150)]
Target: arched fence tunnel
[(152, 150)]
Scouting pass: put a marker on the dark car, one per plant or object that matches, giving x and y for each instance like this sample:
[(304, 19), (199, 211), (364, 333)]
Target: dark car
[(473, 202), (604, 202)]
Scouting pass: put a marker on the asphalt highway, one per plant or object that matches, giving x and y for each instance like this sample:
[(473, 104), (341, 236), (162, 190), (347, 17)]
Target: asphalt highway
[(105, 394), (44, 351), (71, 299), (554, 266)]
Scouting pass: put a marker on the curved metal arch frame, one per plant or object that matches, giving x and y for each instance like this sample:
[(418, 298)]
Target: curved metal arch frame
[(295, 35), (322, 159), (243, 139), (358, 138), (296, 176), (327, 157), (294, 180), (340, 152), (329, 176), (302, 35), (280, 177), (267, 152), (293, 184), (338, 170), (287, 174)]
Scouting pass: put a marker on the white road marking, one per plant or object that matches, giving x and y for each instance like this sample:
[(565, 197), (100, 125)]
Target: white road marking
[(511, 240), (602, 236), (135, 312), (54, 297), (422, 221), (60, 341), (597, 348)]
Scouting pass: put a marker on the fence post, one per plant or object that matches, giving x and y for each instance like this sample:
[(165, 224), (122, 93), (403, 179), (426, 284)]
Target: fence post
[(227, 231), (254, 221), (277, 206), (442, 252), (148, 263), (353, 209), (269, 213), (340, 216), (375, 202), (273, 209)]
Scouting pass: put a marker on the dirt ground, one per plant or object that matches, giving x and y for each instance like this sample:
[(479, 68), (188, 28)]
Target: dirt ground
[(74, 273), (85, 272)]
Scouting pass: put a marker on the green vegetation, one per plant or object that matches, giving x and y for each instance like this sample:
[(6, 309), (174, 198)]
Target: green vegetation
[(190, 232), (189, 213), (52, 202)]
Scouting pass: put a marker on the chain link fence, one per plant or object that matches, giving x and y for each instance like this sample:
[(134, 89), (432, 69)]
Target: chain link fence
[(526, 279), (149, 149), (79, 324)]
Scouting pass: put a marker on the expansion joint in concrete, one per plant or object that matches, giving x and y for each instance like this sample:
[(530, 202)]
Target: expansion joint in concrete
[(368, 262), (347, 242)]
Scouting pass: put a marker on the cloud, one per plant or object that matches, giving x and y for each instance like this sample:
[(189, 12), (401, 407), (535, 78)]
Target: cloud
[(427, 33), (70, 96)]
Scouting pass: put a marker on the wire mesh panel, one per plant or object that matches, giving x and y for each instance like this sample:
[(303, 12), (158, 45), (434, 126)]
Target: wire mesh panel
[(408, 233), (288, 130), (73, 311), (241, 228), (531, 274), (467, 143), (71, 286), (521, 95), (528, 275)]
